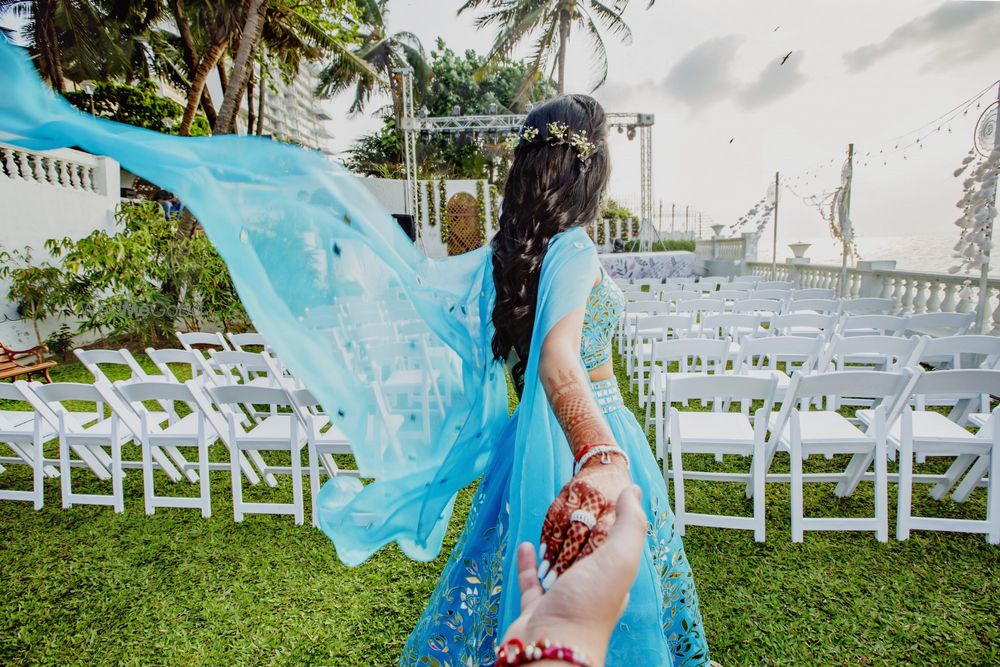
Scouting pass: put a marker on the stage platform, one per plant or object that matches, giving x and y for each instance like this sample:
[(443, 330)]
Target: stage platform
[(637, 265)]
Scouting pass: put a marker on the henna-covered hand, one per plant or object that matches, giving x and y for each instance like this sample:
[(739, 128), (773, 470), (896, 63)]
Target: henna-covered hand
[(594, 490)]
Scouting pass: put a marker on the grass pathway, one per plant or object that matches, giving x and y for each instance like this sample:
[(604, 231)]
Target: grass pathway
[(86, 586)]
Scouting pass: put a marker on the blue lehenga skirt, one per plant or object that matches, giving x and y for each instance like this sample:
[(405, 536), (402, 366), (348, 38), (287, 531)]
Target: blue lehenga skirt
[(662, 624)]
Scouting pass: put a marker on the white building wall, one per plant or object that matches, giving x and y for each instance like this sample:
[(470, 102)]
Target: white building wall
[(49, 195)]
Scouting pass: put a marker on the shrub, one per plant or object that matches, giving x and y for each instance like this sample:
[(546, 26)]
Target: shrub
[(138, 284), (663, 246)]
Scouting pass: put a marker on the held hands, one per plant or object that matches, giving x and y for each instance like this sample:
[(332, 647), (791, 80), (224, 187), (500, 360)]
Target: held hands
[(581, 609), (580, 518)]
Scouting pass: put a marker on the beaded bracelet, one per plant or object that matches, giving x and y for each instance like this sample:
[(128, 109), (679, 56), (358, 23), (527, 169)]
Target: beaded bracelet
[(514, 652), (605, 452)]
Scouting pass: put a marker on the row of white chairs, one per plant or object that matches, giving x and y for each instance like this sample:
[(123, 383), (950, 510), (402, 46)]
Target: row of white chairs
[(223, 401), (780, 356), (888, 430)]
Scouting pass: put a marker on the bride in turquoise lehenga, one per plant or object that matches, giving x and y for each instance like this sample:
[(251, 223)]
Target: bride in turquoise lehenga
[(312, 254)]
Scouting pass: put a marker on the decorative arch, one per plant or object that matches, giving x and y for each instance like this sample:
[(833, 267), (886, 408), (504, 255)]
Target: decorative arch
[(462, 216)]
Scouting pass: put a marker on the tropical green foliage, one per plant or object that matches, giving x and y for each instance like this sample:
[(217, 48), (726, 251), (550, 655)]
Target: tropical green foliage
[(455, 81), (138, 105), (663, 246), (140, 283), (369, 67), (548, 24)]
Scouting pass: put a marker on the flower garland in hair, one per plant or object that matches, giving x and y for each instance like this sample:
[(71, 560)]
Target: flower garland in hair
[(558, 134)]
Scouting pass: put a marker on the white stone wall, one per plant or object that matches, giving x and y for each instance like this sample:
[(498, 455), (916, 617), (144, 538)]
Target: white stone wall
[(45, 195)]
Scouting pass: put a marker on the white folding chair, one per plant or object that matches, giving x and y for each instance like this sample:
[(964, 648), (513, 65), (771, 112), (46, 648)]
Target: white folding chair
[(869, 306), (934, 435), (771, 294), (802, 433), (765, 309), (803, 324), (813, 293), (748, 282), (191, 430), (122, 359), (719, 432), (202, 342), (167, 361), (761, 357), (954, 352), (280, 432), (25, 433), (692, 355), (821, 306), (734, 327), (787, 285), (938, 325), (648, 330), (85, 437), (710, 284), (880, 353), (323, 439), (872, 325), (240, 341)]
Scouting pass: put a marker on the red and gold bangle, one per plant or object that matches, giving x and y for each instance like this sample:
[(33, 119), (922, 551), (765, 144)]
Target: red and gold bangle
[(605, 452), (514, 652), (580, 453)]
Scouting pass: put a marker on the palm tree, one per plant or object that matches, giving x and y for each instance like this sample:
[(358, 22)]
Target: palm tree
[(49, 24), (549, 24), (369, 67)]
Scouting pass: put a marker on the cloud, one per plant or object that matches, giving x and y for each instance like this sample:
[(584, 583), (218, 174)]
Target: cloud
[(956, 32), (774, 82), (704, 75)]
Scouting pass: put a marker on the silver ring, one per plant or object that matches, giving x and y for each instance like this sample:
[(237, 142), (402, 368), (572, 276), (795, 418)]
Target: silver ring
[(583, 516)]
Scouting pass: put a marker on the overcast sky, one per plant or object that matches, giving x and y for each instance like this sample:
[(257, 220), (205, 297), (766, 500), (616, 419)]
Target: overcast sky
[(862, 71)]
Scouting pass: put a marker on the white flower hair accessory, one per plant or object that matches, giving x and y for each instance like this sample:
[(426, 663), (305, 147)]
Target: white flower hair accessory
[(558, 134)]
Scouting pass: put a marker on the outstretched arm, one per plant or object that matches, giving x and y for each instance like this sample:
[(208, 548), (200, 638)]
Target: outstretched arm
[(579, 519), (567, 386)]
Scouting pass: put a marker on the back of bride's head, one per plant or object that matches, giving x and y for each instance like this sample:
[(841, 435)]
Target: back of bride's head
[(556, 182)]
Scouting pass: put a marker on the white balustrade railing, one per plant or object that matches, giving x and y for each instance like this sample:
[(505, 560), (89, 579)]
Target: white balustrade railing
[(914, 292), (62, 168)]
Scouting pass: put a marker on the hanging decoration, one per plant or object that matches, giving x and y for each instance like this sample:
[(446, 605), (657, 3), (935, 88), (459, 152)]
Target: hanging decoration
[(601, 233), (494, 206), (634, 229), (442, 210), (420, 207), (756, 218), (839, 212), (481, 211), (978, 211), (432, 211)]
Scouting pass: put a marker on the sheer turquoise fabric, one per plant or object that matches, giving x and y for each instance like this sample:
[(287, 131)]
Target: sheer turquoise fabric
[(353, 309)]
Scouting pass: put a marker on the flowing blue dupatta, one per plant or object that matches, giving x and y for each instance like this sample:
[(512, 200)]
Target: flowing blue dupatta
[(309, 248)]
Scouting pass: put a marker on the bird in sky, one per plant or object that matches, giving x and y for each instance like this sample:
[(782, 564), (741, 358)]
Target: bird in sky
[(776, 29), (785, 59), (732, 140)]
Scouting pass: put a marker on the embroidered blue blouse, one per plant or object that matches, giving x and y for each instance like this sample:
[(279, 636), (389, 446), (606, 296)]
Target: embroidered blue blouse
[(604, 307)]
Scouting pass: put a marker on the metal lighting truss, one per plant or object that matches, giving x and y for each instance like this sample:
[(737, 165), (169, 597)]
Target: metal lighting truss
[(414, 126)]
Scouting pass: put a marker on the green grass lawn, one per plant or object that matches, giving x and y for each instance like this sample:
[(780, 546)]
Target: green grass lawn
[(87, 586)]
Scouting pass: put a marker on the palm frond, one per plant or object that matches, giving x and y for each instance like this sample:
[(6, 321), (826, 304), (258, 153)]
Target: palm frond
[(612, 20), (600, 54)]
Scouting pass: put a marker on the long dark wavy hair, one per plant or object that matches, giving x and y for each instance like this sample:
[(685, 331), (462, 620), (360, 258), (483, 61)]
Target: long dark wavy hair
[(549, 189)]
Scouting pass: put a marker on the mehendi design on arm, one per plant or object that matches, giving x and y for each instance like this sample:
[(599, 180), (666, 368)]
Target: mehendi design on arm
[(576, 410)]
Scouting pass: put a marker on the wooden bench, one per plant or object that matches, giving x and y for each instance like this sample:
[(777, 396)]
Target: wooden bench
[(11, 369)]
